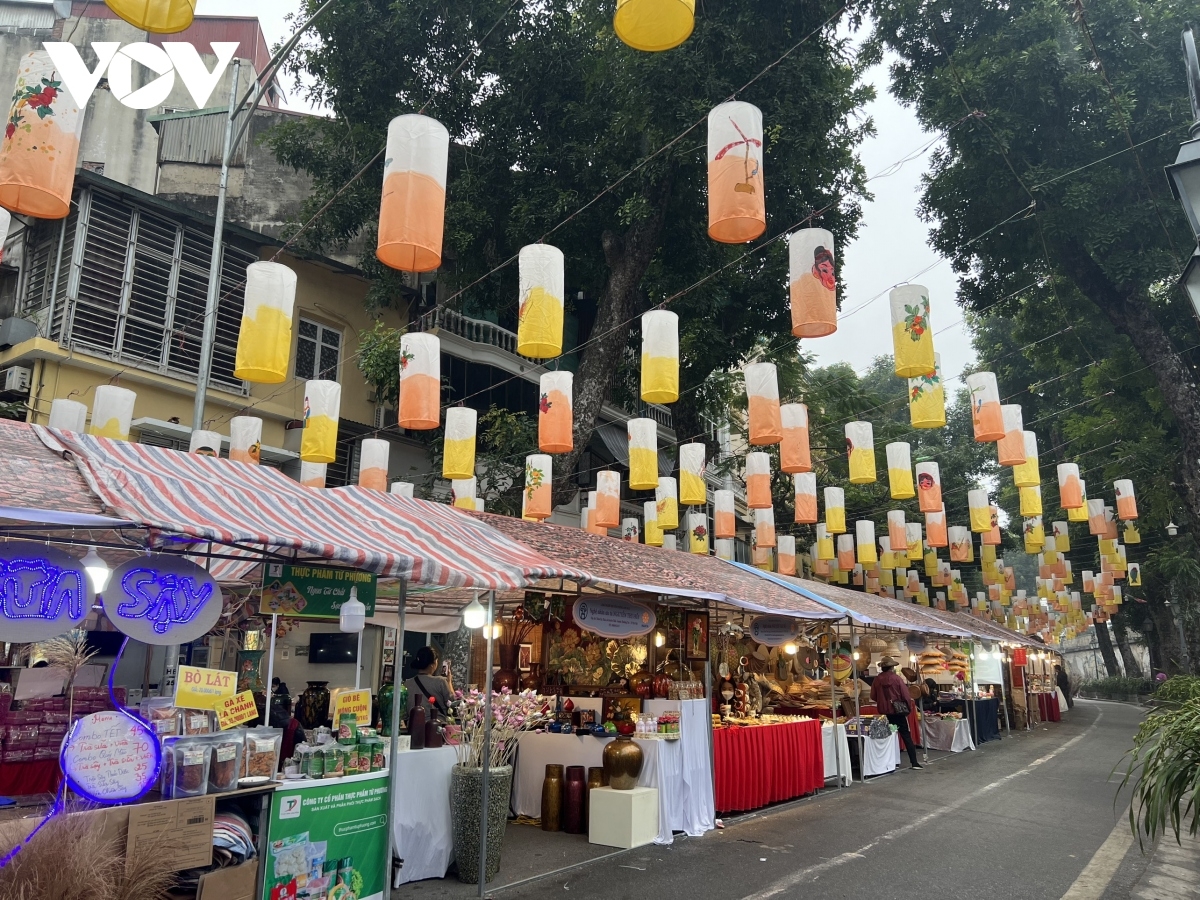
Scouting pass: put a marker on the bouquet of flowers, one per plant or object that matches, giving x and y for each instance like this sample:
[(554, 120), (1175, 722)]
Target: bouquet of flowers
[(511, 714)]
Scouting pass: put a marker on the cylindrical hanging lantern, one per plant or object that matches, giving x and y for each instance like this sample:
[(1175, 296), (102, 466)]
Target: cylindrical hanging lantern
[(666, 496), (643, 454), (412, 214), (900, 474), (1070, 490), (897, 536), (961, 548), (825, 550), (860, 448), (653, 534), (313, 475), (1028, 474), (935, 528), (71, 415), (929, 487), (927, 398), (374, 456), (112, 412), (264, 345), (980, 509), (758, 480), (764, 528), (813, 279), (724, 548), (912, 337), (458, 445), (762, 395), (1010, 449), (668, 541), (555, 422), (785, 554), (322, 407), (462, 492), (1035, 534), (697, 525), (420, 381), (845, 552), (539, 486), (41, 143), (542, 282), (1031, 501), (864, 534), (805, 484), (794, 453), (399, 488), (245, 439), (608, 499), (737, 210), (654, 25), (692, 489), (1062, 536), (1096, 524), (992, 535), (631, 531), (660, 356), (1079, 513), (835, 510), (986, 417), (480, 505), (913, 541), (724, 521), (1126, 499), (157, 16), (203, 443)]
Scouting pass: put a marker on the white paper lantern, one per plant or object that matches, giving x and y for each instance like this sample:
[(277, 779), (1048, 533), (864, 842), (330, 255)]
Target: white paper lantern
[(458, 445), (204, 443), (539, 486), (762, 393), (608, 499), (245, 439), (666, 497), (313, 474), (555, 419), (764, 528), (69, 415), (813, 282), (912, 336), (540, 313), (420, 381), (112, 412), (692, 489), (653, 534), (736, 205), (322, 409), (412, 213), (860, 447), (463, 491), (805, 485), (401, 489), (794, 450), (264, 345), (660, 356), (986, 417), (758, 480), (374, 456), (835, 510), (643, 454), (724, 520)]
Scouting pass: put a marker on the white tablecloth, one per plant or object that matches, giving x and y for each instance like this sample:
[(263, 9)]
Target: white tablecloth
[(843, 753), (947, 734), (421, 828), (881, 756)]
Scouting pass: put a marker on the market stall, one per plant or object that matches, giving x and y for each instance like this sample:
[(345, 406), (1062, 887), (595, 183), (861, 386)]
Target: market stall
[(758, 765), (946, 732)]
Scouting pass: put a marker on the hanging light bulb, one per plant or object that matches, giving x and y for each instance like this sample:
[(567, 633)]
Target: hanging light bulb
[(659, 639), (352, 617), (97, 570), (474, 615), (790, 648)]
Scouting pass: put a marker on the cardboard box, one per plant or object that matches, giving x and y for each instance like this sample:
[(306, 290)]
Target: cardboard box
[(233, 883), (189, 824)]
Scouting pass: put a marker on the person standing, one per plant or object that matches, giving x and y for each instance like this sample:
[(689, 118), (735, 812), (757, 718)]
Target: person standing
[(889, 693), (1064, 684), (428, 690)]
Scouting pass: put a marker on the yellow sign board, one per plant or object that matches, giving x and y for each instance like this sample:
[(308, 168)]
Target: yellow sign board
[(357, 702), (197, 688), (236, 710)]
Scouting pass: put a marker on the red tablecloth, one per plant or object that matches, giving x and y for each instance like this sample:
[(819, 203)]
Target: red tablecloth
[(29, 778), (765, 764), (1048, 706)]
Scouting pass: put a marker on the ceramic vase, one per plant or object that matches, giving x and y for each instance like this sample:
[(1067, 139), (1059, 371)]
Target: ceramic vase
[(532, 680), (573, 801), (466, 804), (507, 676), (552, 795), (622, 763), (313, 708), (595, 780)]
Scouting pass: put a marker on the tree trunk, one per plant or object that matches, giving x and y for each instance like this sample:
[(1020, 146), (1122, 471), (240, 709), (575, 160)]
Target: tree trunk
[(1169, 655), (1133, 668), (1104, 639)]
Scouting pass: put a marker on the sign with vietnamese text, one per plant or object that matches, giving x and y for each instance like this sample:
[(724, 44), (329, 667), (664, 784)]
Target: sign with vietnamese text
[(197, 688), (313, 592), (110, 757), (166, 61), (162, 600), (235, 710), (613, 617), (357, 702), (43, 592), (773, 631)]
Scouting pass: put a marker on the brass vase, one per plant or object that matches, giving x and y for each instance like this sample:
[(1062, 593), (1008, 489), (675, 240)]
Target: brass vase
[(532, 680), (595, 779), (507, 676), (622, 763), (552, 796)]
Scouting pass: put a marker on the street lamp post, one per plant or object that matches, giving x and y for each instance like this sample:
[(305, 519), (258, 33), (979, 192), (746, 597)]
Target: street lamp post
[(1184, 174)]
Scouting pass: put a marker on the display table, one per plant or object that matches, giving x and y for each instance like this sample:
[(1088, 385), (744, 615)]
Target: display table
[(1048, 707), (881, 756), (38, 777), (842, 753), (947, 734), (985, 720), (762, 764), (421, 830)]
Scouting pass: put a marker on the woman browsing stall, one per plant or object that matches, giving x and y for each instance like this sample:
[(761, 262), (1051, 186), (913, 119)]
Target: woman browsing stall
[(889, 693), (433, 692)]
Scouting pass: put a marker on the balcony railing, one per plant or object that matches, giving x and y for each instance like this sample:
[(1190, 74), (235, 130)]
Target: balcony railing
[(478, 331)]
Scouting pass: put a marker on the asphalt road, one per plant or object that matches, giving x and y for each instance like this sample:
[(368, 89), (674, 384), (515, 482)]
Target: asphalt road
[(1018, 819)]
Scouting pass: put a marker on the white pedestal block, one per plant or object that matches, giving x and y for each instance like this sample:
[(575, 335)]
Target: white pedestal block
[(623, 818)]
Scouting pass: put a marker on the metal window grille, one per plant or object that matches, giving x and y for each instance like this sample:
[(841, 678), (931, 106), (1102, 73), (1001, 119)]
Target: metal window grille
[(318, 351)]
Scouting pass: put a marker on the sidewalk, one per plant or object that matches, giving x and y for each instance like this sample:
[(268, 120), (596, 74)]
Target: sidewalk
[(1173, 872)]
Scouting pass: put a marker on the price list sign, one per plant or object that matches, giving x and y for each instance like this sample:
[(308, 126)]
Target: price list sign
[(110, 757)]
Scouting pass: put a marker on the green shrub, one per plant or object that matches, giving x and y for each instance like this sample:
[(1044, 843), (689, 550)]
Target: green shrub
[(1118, 686), (1178, 689), (1164, 768)]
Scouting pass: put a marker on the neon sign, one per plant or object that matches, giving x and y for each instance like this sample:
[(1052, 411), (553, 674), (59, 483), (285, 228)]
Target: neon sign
[(110, 757), (162, 600), (43, 592)]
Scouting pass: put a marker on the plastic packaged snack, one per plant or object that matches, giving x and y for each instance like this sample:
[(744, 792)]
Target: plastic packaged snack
[(347, 728), (185, 767), (224, 767), (260, 756), (196, 721)]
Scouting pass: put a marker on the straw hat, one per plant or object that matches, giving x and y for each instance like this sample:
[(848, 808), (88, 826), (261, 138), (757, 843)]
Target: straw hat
[(887, 663)]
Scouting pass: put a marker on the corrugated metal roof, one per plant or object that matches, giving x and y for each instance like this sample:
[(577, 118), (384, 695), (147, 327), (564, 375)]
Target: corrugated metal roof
[(26, 16), (198, 138)]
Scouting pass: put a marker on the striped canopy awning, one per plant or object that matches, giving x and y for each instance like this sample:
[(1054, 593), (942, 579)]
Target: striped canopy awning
[(258, 508)]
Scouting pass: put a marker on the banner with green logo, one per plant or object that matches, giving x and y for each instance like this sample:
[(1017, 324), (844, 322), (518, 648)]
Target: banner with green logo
[(313, 592)]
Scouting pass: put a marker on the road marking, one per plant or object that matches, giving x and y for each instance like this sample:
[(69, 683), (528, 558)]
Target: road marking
[(797, 877), (1099, 872)]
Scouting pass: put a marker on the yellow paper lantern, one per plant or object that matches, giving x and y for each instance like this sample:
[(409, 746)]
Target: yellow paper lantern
[(835, 510), (412, 212), (322, 408), (860, 447), (805, 486), (1062, 536), (666, 496), (542, 281), (737, 209), (158, 16), (1070, 491), (900, 474), (929, 487), (462, 492), (697, 533), (201, 443), (897, 536), (608, 499), (724, 520), (654, 25), (981, 511), (692, 489), (660, 356), (1028, 473), (264, 343), (373, 458), (724, 549), (794, 452), (112, 412), (420, 381), (914, 543), (1131, 535), (653, 534), (1126, 499), (825, 548), (1010, 449), (41, 146), (758, 480), (555, 422), (1031, 501), (764, 528), (986, 417), (785, 554), (936, 529), (813, 280), (539, 486), (762, 396), (864, 536), (313, 475), (245, 439), (927, 398), (643, 454), (458, 445), (912, 336)]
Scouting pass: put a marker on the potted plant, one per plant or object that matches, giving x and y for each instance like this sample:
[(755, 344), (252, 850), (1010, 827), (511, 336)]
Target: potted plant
[(510, 715)]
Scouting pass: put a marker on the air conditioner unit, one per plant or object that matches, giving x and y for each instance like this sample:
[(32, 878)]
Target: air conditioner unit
[(16, 379), (381, 419)]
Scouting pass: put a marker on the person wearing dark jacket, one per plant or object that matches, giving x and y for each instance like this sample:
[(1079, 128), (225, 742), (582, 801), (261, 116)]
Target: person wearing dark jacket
[(888, 690), (1064, 685)]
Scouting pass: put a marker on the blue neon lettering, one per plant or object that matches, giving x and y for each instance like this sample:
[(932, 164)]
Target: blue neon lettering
[(45, 597), (178, 601)]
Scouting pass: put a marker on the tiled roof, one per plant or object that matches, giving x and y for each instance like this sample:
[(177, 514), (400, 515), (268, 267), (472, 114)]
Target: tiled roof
[(34, 477)]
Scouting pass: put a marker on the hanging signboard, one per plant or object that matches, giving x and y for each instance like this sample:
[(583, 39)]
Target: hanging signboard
[(356, 702), (313, 592), (613, 617), (236, 709), (774, 630), (162, 600), (197, 688), (110, 757), (43, 592)]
